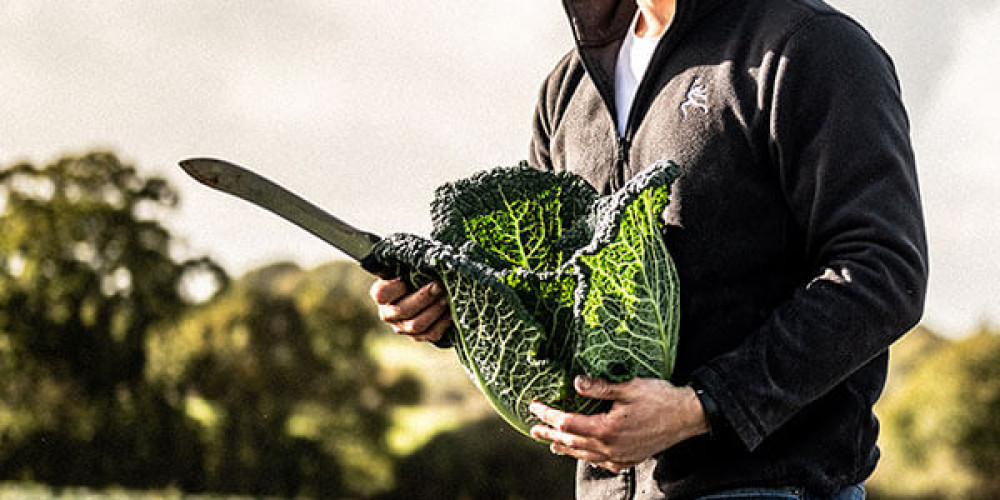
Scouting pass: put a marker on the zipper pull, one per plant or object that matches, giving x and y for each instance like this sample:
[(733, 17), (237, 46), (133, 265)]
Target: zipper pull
[(621, 162), (623, 146)]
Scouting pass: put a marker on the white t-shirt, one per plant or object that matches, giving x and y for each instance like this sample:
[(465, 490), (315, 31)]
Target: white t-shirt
[(633, 59)]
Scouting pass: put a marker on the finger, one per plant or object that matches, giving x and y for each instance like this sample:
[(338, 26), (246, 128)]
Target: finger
[(385, 292), (422, 323), (593, 426), (555, 418), (438, 329), (410, 306), (585, 455), (426, 296), (567, 440), (598, 388)]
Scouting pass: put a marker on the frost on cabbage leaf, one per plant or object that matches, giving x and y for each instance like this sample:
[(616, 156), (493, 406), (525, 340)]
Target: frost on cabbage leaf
[(548, 280)]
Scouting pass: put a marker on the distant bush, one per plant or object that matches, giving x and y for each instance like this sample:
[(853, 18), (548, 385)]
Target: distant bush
[(277, 373), (484, 460), (29, 491), (941, 437), (86, 271), (114, 375)]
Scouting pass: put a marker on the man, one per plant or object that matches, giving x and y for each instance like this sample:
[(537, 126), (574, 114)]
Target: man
[(796, 229)]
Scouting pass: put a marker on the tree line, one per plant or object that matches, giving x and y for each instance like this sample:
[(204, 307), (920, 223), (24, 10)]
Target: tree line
[(116, 372)]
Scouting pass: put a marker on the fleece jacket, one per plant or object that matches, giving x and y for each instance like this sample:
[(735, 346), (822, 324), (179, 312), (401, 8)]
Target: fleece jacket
[(796, 227)]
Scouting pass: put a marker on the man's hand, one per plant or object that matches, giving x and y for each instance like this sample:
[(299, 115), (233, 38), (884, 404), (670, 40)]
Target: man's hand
[(423, 315), (647, 417)]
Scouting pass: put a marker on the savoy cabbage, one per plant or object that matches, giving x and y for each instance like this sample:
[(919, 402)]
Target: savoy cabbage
[(548, 280)]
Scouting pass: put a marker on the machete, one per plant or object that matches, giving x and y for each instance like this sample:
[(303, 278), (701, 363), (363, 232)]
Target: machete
[(242, 183)]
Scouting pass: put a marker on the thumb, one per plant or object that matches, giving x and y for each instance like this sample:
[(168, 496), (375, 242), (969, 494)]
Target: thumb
[(599, 388)]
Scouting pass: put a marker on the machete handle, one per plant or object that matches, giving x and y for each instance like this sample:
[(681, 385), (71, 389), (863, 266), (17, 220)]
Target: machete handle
[(387, 270)]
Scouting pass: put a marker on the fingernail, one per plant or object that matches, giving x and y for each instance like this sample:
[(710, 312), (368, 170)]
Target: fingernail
[(436, 288), (535, 407), (582, 382)]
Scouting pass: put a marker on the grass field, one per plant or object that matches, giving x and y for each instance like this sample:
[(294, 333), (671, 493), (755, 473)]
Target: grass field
[(26, 491)]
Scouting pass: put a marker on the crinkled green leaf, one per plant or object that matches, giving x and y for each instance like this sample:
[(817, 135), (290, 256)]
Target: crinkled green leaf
[(628, 309), (518, 215), (547, 281), (549, 298), (496, 335)]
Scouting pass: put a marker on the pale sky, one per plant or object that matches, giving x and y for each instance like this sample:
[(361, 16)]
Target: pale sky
[(365, 107)]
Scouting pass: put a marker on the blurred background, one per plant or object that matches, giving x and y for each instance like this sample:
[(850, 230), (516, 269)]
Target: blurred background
[(159, 340)]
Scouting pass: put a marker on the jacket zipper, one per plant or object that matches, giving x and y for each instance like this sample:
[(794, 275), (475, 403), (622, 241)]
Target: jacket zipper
[(624, 142), (621, 162)]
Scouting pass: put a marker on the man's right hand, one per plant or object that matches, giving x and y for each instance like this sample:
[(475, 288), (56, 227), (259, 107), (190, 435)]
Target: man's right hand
[(423, 315)]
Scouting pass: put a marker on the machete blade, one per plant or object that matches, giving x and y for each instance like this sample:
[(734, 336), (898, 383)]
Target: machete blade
[(242, 183)]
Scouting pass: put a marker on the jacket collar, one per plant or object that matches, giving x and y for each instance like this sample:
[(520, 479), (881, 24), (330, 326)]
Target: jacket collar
[(600, 22)]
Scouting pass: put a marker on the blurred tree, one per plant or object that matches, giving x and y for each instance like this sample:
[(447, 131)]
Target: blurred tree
[(911, 351), (85, 271), (483, 460), (278, 372), (942, 438)]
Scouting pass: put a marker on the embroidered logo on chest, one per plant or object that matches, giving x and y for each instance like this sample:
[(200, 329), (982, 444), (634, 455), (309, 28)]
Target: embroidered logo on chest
[(697, 98)]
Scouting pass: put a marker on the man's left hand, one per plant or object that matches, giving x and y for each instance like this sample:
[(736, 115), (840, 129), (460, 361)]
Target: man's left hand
[(647, 417)]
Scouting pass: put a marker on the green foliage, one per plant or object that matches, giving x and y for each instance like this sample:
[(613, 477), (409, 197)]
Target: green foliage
[(112, 375), (84, 270), (910, 352), (278, 373), (483, 460), (84, 273), (31, 491), (941, 436), (547, 280)]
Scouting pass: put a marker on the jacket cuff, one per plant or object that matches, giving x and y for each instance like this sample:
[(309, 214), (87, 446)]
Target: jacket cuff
[(727, 419)]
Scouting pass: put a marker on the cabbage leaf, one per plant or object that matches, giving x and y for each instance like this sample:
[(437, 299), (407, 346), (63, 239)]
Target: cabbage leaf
[(548, 280)]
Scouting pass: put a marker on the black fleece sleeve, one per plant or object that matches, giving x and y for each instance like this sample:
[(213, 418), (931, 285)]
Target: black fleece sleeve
[(839, 139)]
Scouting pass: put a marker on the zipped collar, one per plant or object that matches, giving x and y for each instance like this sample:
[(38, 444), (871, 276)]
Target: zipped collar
[(600, 22), (599, 26)]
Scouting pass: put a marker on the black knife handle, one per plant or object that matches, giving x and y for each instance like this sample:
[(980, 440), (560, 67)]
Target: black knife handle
[(385, 270)]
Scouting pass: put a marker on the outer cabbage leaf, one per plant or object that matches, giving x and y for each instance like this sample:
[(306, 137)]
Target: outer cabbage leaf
[(528, 221), (496, 335), (519, 216), (628, 304), (547, 281)]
